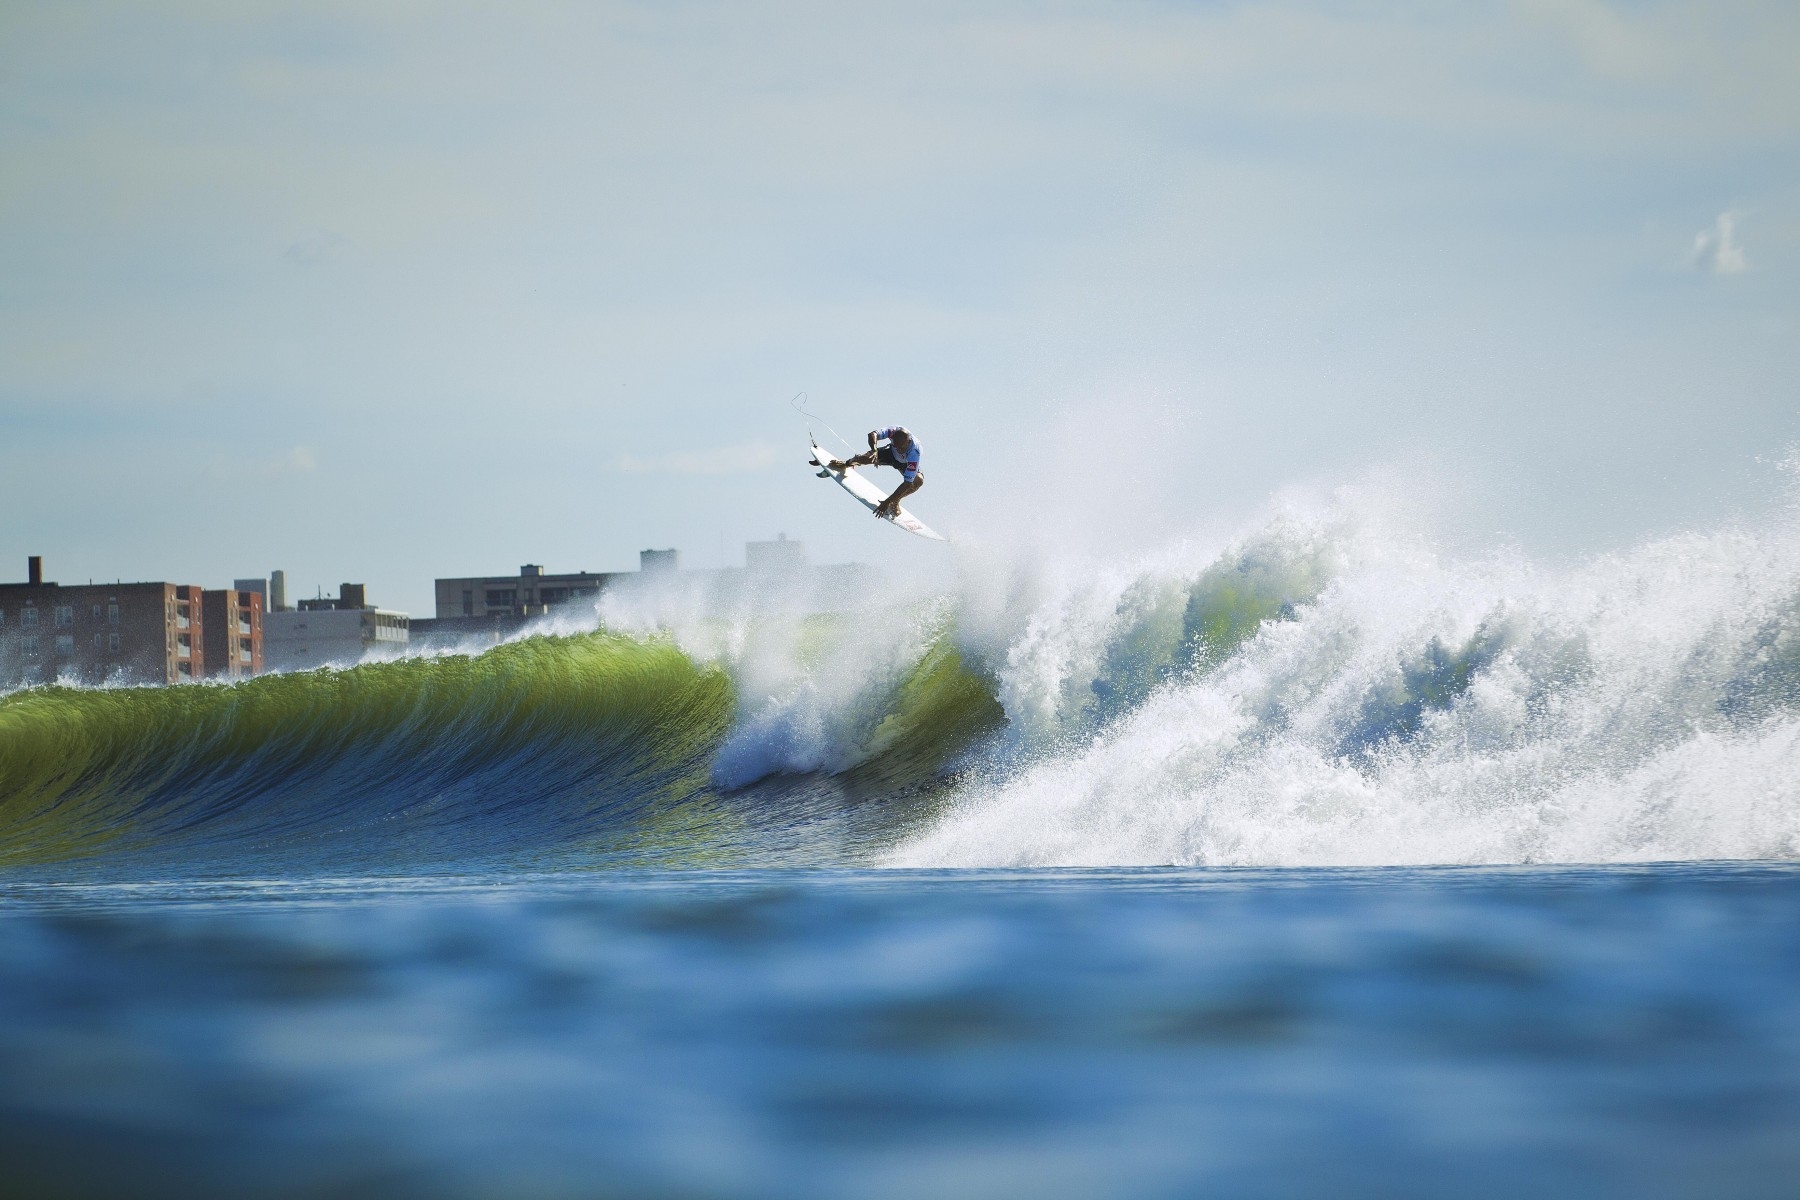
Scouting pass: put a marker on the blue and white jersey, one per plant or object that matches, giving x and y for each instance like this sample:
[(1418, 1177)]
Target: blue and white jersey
[(907, 462)]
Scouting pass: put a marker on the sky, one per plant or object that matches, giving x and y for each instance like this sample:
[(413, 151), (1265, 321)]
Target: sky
[(386, 292)]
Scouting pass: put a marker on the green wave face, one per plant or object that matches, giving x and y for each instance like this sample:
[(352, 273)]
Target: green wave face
[(872, 696), (940, 709), (595, 747), (546, 741), (1170, 629)]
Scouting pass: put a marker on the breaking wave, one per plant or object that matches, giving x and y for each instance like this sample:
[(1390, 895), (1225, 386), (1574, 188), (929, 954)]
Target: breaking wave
[(1321, 690), (1327, 695)]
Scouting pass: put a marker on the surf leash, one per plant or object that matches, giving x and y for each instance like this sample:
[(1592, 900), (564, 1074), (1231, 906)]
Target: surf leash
[(798, 405)]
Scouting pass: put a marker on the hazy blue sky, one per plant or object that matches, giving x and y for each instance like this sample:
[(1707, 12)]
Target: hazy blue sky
[(386, 292)]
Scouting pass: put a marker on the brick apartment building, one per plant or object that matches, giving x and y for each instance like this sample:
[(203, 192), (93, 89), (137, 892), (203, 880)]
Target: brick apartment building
[(139, 633), (99, 633), (232, 646)]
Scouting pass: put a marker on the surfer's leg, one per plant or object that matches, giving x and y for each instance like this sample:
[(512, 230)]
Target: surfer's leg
[(891, 505)]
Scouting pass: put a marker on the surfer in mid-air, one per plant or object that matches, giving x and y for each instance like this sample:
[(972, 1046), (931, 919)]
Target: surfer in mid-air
[(901, 453)]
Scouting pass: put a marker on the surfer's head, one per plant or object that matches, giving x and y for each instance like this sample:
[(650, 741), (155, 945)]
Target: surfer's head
[(901, 436)]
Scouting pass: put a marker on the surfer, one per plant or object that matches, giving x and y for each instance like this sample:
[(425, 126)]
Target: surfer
[(901, 453)]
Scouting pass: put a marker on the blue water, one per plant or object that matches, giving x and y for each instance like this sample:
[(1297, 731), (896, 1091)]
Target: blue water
[(1574, 1031)]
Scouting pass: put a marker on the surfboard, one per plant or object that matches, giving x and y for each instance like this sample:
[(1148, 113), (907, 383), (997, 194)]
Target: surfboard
[(864, 489)]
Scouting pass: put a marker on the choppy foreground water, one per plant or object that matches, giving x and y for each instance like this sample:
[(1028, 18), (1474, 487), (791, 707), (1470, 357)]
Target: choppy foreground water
[(1610, 1031)]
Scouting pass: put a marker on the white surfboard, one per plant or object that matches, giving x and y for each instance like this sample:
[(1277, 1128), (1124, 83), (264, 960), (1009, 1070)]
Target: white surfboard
[(864, 489)]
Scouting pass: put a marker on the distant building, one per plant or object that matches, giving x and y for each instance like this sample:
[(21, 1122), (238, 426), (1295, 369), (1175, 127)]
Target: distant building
[(233, 633), (340, 630), (350, 595), (530, 593), (99, 633), (779, 556), (478, 609), (777, 575)]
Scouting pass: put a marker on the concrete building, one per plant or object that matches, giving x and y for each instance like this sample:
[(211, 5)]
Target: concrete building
[(484, 609), (530, 593), (342, 630), (100, 633), (776, 557), (777, 575), (233, 634)]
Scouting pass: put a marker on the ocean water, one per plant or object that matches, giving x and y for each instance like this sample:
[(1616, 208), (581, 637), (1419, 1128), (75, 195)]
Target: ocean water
[(1320, 861), (1617, 1031)]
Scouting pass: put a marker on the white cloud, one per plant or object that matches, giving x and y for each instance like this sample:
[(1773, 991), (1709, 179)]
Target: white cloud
[(726, 460), (237, 469), (1716, 250)]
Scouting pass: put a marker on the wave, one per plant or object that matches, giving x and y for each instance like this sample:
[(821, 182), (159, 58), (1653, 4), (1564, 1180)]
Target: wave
[(588, 746), (1348, 696), (542, 741), (1324, 689)]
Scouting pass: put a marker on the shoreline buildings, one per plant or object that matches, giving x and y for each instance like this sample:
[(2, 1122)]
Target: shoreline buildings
[(775, 574), (165, 633), (151, 632), (232, 635), (342, 631)]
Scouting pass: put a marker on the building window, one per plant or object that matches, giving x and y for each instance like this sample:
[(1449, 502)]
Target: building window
[(96, 612), (112, 614), (185, 670), (65, 615), (244, 649), (99, 640), (181, 617), (28, 618), (29, 644), (112, 642), (184, 647), (468, 603), (65, 645)]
